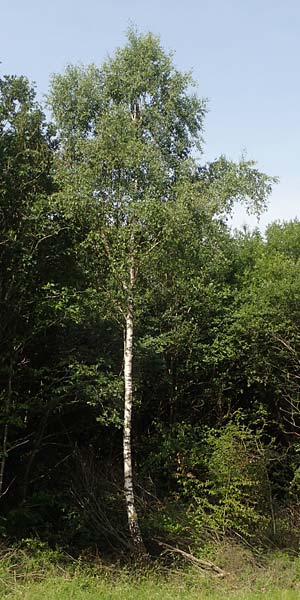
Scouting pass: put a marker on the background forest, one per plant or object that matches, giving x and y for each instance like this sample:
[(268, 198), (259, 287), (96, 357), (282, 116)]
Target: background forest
[(116, 255)]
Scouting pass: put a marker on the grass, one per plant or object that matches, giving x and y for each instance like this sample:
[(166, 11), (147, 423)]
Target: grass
[(80, 590), (33, 572)]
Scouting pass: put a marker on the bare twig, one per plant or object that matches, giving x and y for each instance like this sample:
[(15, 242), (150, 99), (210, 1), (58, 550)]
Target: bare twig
[(8, 487)]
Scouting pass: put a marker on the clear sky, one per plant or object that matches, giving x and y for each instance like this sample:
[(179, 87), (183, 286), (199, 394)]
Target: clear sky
[(244, 55)]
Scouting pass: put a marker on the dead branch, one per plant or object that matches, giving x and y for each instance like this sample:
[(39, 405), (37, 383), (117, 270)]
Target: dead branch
[(198, 562)]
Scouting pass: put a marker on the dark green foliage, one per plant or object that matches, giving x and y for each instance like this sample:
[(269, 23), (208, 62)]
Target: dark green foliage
[(222, 479), (217, 321)]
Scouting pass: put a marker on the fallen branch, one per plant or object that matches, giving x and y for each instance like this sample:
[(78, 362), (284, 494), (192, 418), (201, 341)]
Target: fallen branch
[(198, 562)]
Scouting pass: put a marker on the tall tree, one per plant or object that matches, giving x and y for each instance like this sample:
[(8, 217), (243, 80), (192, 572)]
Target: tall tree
[(128, 135)]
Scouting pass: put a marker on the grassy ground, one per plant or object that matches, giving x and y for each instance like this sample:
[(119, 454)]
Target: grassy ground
[(56, 589), (37, 573)]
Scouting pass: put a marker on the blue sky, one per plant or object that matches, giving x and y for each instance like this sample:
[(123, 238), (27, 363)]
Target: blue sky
[(244, 55)]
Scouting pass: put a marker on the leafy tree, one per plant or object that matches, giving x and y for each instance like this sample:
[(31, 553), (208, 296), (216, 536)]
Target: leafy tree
[(128, 169), (128, 132)]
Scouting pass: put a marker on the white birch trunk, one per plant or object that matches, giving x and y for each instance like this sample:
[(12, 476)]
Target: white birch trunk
[(128, 401), (133, 523)]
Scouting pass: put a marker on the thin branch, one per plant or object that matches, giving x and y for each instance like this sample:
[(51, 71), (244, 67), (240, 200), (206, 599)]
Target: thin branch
[(287, 345), (17, 445), (46, 237), (198, 562), (8, 487)]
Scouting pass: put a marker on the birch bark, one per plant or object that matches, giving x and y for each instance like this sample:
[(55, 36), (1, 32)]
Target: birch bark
[(128, 402)]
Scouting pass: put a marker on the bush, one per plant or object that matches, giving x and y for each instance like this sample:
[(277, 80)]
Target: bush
[(218, 480)]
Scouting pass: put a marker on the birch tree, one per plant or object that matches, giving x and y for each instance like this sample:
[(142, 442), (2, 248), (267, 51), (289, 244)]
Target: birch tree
[(120, 163), (128, 134)]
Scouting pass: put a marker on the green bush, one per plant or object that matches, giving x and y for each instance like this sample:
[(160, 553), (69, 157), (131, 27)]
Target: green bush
[(227, 487), (218, 480)]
